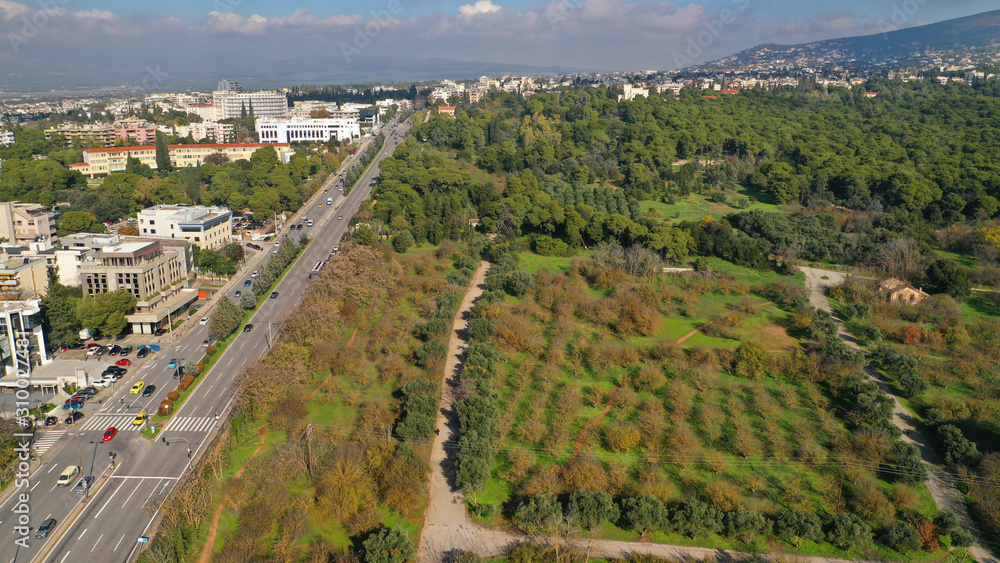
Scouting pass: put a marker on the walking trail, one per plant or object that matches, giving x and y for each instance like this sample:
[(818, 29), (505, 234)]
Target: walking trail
[(213, 528), (944, 494), (447, 527)]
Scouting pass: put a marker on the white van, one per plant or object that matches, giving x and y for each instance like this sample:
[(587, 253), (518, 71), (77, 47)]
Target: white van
[(309, 223), (66, 477), (329, 201)]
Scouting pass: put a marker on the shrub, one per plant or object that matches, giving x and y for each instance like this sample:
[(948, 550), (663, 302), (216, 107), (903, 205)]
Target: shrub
[(848, 531), (693, 519), (903, 537), (961, 538), (590, 510), (166, 408), (388, 545), (642, 513), (211, 350), (173, 395), (622, 437)]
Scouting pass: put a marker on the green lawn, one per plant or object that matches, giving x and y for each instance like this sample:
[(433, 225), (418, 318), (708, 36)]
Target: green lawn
[(695, 208), (531, 262)]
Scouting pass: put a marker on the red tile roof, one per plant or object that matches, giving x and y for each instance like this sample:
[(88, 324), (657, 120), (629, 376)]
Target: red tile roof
[(443, 108)]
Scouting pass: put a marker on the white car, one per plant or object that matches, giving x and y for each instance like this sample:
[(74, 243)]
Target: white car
[(101, 383), (204, 321), (255, 274)]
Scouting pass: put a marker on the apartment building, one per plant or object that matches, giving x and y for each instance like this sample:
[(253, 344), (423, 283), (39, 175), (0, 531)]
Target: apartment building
[(229, 104), (218, 132), (204, 227), (86, 135), (304, 129), (137, 129), (98, 163), (21, 223), (6, 137), (23, 278), (142, 268), (21, 321)]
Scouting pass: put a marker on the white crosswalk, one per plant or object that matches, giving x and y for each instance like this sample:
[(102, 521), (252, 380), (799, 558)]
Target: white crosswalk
[(45, 440), (102, 421), (190, 424)]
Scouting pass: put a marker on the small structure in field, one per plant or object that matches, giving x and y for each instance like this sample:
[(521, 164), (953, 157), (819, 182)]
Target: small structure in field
[(901, 292)]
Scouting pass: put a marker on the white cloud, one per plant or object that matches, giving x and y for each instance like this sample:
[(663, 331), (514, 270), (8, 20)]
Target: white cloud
[(480, 7), (10, 10)]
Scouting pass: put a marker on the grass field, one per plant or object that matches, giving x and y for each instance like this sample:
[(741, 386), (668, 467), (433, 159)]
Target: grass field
[(696, 207)]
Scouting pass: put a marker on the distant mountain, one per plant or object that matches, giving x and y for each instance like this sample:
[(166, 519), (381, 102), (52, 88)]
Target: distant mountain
[(976, 32), (260, 73)]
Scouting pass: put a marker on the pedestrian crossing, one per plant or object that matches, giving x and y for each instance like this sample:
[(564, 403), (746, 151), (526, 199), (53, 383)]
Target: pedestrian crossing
[(45, 440), (190, 424), (123, 422)]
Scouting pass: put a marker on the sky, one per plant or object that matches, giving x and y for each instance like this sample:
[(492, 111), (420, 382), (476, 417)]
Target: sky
[(156, 45)]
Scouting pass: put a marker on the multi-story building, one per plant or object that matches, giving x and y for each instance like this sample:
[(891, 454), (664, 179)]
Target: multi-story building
[(23, 278), (86, 135), (204, 111), (313, 130), (98, 163), (229, 86), (137, 129), (230, 104), (6, 137), (218, 132), (21, 223), (142, 268), (205, 227), (20, 324)]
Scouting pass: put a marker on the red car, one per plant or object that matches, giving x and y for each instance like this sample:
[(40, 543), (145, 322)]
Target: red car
[(93, 345), (110, 433), (125, 362)]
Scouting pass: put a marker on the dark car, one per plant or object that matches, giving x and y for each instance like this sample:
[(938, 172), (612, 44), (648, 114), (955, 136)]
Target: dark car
[(142, 353), (148, 390), (247, 283), (84, 484), (274, 294), (114, 350), (247, 327), (46, 527), (101, 351), (87, 392), (126, 351), (298, 227), (115, 369), (51, 421), (73, 417), (160, 332), (238, 293)]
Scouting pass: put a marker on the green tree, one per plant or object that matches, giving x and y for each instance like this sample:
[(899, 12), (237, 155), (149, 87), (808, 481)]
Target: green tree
[(79, 222), (642, 513), (105, 312), (539, 514), (903, 537), (62, 329), (848, 531), (693, 518), (225, 319), (163, 165), (403, 241), (248, 301), (590, 510), (946, 276), (388, 545), (752, 360), (797, 527)]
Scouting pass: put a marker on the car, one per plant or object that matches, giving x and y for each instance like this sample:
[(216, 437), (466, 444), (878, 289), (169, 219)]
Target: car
[(47, 526), (326, 190), (114, 350), (249, 245), (140, 419), (142, 353), (93, 346), (73, 417), (340, 217), (203, 321), (124, 362), (173, 363), (73, 403), (160, 332), (148, 390), (274, 294), (102, 382), (87, 392), (126, 351), (255, 274), (298, 227), (115, 369), (309, 223), (320, 205), (206, 343), (247, 283), (51, 421), (137, 387), (238, 294), (248, 327), (84, 484), (110, 433), (336, 248), (101, 351)]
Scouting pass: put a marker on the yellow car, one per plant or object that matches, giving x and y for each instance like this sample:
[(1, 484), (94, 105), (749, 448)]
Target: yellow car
[(137, 387), (141, 419), (320, 205)]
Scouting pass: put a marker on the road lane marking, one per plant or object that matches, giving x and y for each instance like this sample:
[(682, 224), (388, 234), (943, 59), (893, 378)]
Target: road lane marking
[(36, 484), (120, 541), (64, 557), (107, 502), (96, 543), (52, 468), (130, 496), (81, 534), (141, 477)]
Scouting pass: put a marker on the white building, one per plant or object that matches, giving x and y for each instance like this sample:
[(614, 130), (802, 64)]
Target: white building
[(229, 104), (217, 132), (205, 227), (20, 320), (6, 137), (311, 130)]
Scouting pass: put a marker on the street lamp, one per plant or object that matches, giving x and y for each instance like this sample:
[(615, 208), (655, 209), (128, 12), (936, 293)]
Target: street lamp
[(80, 452)]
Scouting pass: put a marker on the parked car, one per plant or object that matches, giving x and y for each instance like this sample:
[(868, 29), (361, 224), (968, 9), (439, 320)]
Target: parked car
[(51, 421), (87, 392), (84, 484), (103, 382), (298, 227), (116, 369), (73, 417), (160, 332), (142, 353), (126, 351), (114, 350), (110, 433), (125, 362), (148, 390), (247, 327), (255, 274)]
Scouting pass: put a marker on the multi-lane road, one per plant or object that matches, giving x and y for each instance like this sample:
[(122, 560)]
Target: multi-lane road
[(106, 524)]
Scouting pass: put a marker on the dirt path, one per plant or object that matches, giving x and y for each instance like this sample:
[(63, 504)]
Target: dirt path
[(944, 494), (213, 528), (578, 445), (684, 338)]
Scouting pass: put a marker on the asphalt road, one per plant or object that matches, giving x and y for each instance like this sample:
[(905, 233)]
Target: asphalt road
[(105, 524)]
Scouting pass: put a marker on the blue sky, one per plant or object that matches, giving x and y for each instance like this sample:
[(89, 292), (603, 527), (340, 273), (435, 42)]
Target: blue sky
[(159, 44)]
